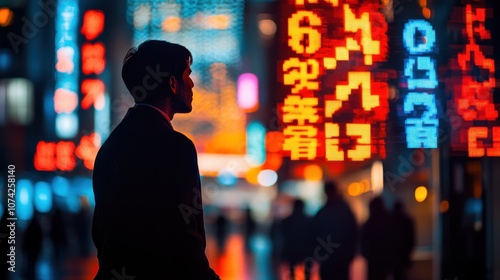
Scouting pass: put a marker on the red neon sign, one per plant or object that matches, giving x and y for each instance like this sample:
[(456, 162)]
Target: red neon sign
[(93, 24), (472, 90)]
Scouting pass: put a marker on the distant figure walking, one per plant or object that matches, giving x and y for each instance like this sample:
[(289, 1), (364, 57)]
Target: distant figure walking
[(377, 241), (32, 246), (221, 225), (58, 233), (296, 239), (335, 224), (250, 227), (404, 241)]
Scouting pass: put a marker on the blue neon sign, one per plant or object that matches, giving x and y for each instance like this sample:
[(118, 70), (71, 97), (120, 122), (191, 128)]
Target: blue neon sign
[(421, 128)]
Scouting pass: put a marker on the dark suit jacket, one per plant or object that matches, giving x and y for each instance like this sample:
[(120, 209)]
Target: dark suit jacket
[(148, 219)]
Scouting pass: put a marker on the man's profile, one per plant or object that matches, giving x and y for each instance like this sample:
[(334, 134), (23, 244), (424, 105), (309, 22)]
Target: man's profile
[(146, 175)]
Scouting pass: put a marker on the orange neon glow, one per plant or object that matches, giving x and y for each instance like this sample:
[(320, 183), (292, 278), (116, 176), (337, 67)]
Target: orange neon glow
[(93, 91), (297, 33), (362, 148), (64, 62), (230, 264), (6, 16), (171, 24), (301, 141), (355, 80), (65, 156), (333, 152), (88, 148), (474, 134), (273, 161), (363, 41), (363, 24), (301, 110), (313, 172), (301, 74), (221, 21), (274, 141), (334, 3), (301, 2), (45, 156), (93, 58), (93, 24), (65, 101)]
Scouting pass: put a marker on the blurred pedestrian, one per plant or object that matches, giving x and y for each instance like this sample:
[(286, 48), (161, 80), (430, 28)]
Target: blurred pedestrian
[(336, 232), (296, 237), (221, 224), (377, 243), (404, 241), (250, 228), (32, 246), (58, 233)]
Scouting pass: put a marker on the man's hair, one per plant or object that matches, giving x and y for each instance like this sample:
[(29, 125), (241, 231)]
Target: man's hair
[(147, 69)]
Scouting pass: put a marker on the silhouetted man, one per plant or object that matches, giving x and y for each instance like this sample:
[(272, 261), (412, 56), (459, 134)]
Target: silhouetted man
[(148, 219), (335, 224)]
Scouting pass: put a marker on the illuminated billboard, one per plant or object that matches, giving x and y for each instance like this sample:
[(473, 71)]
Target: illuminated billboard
[(473, 114), (334, 93)]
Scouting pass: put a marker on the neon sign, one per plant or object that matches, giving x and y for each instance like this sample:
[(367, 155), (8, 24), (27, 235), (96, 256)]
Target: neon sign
[(63, 155), (335, 106), (67, 68), (419, 40), (476, 124)]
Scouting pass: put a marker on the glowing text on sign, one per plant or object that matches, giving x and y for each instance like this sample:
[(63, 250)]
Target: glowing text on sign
[(335, 102), (477, 129), (419, 39)]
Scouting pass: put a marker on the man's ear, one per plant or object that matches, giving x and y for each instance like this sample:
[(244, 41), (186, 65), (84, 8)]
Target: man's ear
[(173, 84)]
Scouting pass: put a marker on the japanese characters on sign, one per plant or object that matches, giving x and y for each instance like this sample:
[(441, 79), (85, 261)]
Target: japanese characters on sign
[(475, 123), (334, 94), (63, 155)]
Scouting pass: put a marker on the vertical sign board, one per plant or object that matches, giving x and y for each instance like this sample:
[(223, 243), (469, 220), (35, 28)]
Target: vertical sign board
[(334, 94), (70, 95), (420, 108), (474, 119)]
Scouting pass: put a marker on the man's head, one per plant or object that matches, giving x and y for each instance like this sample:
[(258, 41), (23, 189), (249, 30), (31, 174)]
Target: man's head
[(157, 72)]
